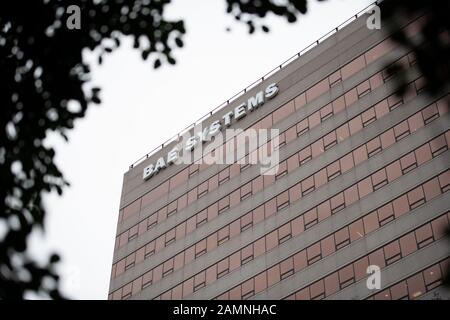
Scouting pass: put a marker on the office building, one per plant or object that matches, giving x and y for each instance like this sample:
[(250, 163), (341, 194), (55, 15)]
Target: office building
[(362, 180)]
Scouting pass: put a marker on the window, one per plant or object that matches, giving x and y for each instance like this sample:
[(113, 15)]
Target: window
[(170, 237), (330, 140), (259, 247), (273, 275), (346, 162), (379, 179), (342, 238), (350, 97), (346, 276), (188, 287), (223, 235), (200, 248), (247, 254), (365, 187), (385, 214), (333, 170), (224, 175), (300, 261), (360, 154), (392, 252), (248, 289), (172, 208), (147, 279), (387, 138), (222, 268), (360, 268), (129, 262), (282, 170), (356, 230), (193, 169), (401, 130), (326, 112), (408, 162), (432, 277), (297, 226), (327, 245), (394, 101), (270, 207), (438, 145), (351, 195), (152, 221), (307, 185), (286, 268), (355, 125), (317, 290), (381, 109), (373, 147), (260, 282), (202, 189), (149, 249), (224, 204), (133, 233), (168, 267), (415, 122), (202, 218), (416, 197), (305, 155), (162, 214), (337, 203), (199, 281), (313, 252), (416, 286), (399, 291), (246, 221), (302, 127), (317, 148), (335, 78), (323, 210), (314, 119), (310, 218), (424, 235), (271, 240), (423, 154), (363, 89), (430, 113), (320, 178), (371, 222), (284, 233)]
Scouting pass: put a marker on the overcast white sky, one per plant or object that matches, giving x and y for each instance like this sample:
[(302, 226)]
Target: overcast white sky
[(142, 108)]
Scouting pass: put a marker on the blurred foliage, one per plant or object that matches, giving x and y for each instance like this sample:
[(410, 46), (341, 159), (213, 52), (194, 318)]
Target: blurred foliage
[(431, 45), (42, 76)]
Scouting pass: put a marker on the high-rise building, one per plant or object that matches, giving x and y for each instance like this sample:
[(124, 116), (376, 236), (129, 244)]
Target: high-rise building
[(360, 190)]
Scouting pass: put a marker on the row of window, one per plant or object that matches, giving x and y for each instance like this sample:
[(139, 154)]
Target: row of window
[(416, 285), (343, 132), (285, 232), (304, 187), (382, 257), (282, 112)]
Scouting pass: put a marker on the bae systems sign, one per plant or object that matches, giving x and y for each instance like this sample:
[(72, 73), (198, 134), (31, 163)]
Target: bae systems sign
[(180, 154)]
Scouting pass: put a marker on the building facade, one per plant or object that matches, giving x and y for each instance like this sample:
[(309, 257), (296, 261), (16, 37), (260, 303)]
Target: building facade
[(362, 180)]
